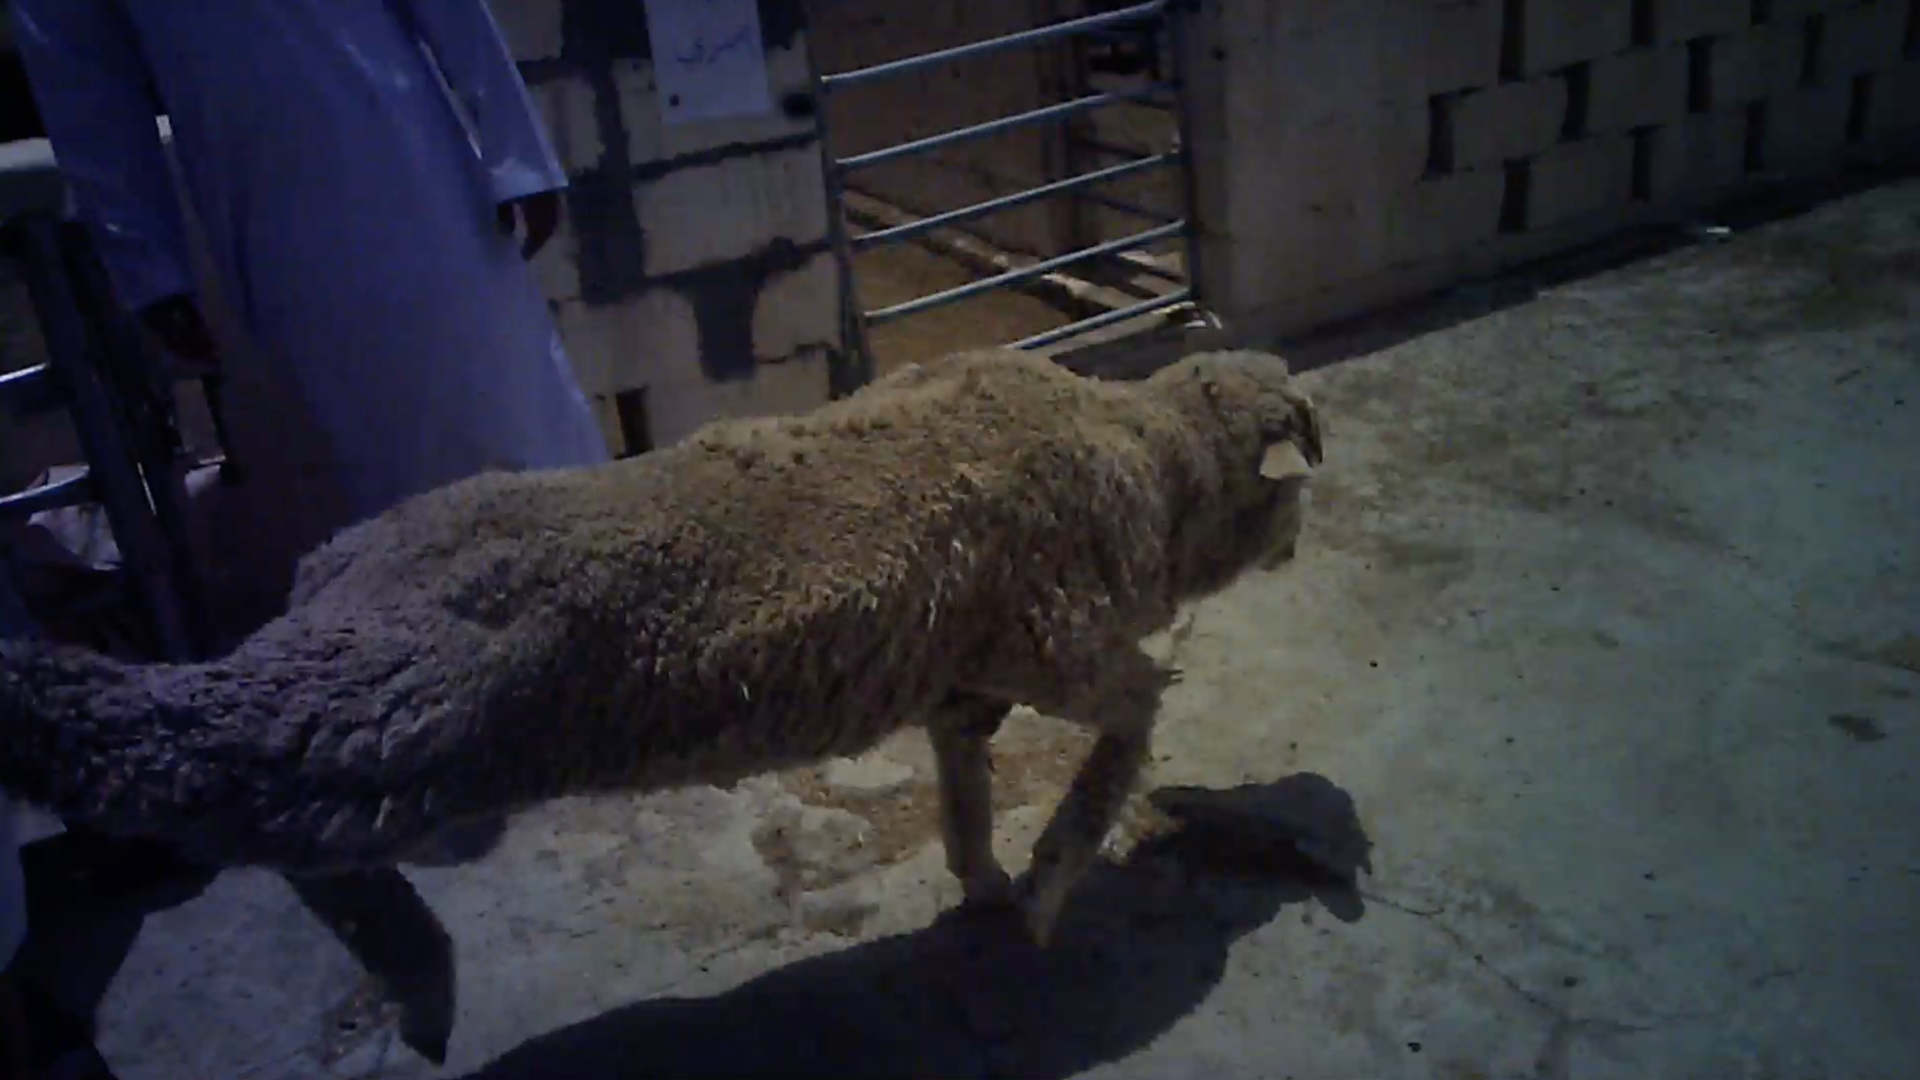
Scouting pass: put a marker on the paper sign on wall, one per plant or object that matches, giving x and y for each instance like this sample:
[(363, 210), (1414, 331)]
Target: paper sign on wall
[(708, 59)]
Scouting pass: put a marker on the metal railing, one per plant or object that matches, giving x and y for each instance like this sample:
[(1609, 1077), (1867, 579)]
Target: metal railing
[(1038, 35), (1165, 95)]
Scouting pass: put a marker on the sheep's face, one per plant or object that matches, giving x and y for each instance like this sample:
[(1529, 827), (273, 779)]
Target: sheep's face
[(1286, 465), (1271, 523), (1283, 517), (1274, 431)]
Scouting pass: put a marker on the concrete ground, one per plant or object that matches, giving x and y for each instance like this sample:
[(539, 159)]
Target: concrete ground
[(1608, 622)]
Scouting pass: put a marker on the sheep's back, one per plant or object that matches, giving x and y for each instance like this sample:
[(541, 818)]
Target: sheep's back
[(776, 590)]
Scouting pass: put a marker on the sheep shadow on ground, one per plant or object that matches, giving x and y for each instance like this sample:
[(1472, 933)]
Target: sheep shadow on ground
[(1142, 945), (87, 906)]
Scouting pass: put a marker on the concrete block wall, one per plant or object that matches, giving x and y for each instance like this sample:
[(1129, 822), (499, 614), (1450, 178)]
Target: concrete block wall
[(1353, 154), (694, 277)]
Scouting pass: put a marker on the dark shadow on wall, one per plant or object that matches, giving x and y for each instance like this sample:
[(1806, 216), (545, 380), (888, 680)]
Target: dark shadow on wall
[(1142, 945)]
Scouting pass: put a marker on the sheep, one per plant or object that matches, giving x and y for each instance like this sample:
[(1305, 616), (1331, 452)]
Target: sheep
[(949, 541)]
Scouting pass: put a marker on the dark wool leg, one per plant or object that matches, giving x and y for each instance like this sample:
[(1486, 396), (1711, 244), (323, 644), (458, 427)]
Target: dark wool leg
[(389, 928), (1122, 707), (961, 731)]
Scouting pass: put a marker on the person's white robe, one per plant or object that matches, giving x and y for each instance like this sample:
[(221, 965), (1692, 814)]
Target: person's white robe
[(348, 203)]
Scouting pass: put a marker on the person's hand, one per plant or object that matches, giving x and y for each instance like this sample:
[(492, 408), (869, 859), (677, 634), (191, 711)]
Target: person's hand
[(541, 214), (180, 326)]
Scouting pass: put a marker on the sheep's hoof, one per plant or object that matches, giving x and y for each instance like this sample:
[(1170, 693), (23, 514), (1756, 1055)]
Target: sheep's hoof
[(427, 1008), (426, 1037), (1040, 924), (1040, 904), (988, 891)]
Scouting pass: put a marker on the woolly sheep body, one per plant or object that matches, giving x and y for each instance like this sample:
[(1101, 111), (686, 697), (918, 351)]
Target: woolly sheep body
[(947, 542)]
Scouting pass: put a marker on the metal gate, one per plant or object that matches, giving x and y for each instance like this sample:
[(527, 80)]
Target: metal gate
[(1157, 22)]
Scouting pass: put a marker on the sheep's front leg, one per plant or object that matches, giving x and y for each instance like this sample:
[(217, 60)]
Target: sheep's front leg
[(385, 923), (1122, 706), (961, 730)]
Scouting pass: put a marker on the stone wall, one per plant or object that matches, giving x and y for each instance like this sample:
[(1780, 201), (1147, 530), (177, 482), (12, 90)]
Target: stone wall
[(1357, 152), (694, 277)]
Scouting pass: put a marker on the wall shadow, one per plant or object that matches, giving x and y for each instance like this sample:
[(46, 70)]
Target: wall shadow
[(1141, 946)]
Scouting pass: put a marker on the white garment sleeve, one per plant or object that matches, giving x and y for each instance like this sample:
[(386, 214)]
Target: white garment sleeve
[(466, 43), (91, 83)]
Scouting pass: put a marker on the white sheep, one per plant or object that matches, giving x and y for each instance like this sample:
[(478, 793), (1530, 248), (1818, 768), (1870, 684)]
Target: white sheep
[(948, 542)]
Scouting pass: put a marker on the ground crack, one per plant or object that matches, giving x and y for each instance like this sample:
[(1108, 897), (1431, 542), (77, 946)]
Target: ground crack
[(1561, 1017)]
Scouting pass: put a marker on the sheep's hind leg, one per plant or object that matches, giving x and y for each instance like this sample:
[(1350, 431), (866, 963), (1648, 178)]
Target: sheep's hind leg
[(961, 729), (1122, 706)]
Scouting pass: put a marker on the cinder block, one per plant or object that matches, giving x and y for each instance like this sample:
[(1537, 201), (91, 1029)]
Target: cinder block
[(1637, 89), (1666, 174), (606, 413), (1788, 11), (1698, 156), (1580, 180), (1557, 33), (532, 28), (1863, 39), (1321, 161), (1806, 130), (1282, 250), (1443, 215), (792, 386), (715, 213), (1758, 64), (677, 410), (557, 267), (1326, 71), (798, 309), (566, 106), (1714, 150), (1683, 20), (648, 339), (1514, 120), (1895, 108), (1458, 44)]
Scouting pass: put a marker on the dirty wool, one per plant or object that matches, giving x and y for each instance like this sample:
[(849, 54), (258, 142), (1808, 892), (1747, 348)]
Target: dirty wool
[(953, 540)]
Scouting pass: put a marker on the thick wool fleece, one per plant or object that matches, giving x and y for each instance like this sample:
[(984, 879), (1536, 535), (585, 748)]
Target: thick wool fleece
[(769, 593)]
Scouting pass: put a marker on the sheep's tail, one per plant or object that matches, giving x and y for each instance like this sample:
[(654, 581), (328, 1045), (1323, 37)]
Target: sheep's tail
[(203, 756)]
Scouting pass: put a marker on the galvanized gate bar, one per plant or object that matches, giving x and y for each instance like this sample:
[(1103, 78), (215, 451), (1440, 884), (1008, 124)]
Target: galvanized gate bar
[(1007, 202), (1105, 318), (1164, 95), (992, 45), (1024, 273), (1044, 114)]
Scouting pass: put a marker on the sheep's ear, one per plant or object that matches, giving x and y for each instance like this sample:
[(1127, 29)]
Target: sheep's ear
[(1284, 461)]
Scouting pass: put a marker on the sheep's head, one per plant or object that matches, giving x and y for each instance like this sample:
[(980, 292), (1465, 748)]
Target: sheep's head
[(1269, 436)]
